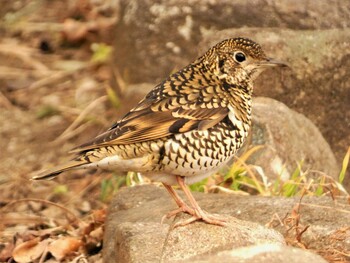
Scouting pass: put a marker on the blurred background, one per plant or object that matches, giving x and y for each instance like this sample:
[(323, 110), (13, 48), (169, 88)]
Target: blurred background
[(70, 68)]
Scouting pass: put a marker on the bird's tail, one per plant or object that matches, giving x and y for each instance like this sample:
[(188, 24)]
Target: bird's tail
[(52, 173)]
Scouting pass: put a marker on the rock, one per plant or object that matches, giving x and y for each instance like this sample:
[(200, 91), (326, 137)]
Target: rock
[(284, 142), (152, 242), (133, 232), (198, 238), (134, 236), (136, 242), (317, 84), (145, 51), (265, 253)]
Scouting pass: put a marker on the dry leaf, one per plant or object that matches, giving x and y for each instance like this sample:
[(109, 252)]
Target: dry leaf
[(6, 252), (99, 215), (74, 31), (30, 250), (97, 233), (64, 246)]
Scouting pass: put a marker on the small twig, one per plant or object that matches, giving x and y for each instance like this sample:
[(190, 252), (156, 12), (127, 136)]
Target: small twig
[(273, 218), (11, 218), (342, 253), (327, 207), (49, 80), (45, 252), (80, 118), (86, 189), (226, 190), (67, 136), (11, 73), (251, 173), (121, 85), (5, 102), (23, 53), (44, 202)]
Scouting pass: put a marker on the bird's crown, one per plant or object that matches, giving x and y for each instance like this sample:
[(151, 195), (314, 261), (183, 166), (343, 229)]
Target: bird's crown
[(246, 45)]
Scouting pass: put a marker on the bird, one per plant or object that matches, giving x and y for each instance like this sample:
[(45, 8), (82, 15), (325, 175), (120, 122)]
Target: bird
[(186, 128)]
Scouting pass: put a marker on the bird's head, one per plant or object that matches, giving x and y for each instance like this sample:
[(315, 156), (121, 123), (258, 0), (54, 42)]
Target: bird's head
[(239, 60)]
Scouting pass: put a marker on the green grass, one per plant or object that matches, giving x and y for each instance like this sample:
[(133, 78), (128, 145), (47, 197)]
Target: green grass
[(110, 186), (46, 111), (101, 52), (245, 178), (344, 166)]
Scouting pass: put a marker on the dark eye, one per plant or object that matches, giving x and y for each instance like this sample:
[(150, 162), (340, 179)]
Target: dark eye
[(239, 57)]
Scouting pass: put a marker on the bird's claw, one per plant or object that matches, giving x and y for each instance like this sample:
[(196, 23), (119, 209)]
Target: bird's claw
[(195, 216), (203, 216)]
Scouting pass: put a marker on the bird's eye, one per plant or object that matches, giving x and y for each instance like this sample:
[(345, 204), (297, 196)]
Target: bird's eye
[(239, 57)]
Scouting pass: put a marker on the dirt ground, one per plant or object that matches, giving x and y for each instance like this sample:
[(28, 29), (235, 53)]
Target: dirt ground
[(53, 84), (54, 95)]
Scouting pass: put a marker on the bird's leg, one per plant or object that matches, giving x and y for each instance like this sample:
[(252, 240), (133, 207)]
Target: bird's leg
[(199, 213), (183, 207)]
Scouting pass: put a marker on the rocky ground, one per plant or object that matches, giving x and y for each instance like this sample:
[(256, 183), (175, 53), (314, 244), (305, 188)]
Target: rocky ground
[(58, 89)]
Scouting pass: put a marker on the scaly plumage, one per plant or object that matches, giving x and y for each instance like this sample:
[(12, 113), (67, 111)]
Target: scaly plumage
[(187, 127)]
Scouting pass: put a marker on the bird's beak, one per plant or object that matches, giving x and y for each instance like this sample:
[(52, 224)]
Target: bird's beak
[(270, 62)]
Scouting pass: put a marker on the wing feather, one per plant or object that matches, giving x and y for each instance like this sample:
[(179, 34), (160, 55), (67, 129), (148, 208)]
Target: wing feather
[(157, 117)]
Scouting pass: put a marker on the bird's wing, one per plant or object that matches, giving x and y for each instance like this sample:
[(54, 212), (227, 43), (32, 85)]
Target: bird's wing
[(155, 118)]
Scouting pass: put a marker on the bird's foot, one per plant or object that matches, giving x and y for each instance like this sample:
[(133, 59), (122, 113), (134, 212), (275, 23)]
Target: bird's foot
[(204, 216), (182, 209)]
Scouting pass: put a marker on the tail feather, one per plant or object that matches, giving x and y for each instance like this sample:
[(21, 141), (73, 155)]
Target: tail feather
[(52, 173)]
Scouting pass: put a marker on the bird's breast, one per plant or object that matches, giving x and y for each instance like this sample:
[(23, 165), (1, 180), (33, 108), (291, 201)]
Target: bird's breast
[(197, 152)]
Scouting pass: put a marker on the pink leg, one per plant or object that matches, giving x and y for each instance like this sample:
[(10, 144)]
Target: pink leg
[(199, 213), (183, 207)]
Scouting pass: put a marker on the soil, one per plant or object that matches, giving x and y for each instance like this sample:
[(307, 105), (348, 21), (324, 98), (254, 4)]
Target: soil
[(52, 98)]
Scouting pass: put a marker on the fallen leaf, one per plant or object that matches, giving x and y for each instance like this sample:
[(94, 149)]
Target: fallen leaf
[(6, 252), (29, 250), (64, 246), (99, 215), (97, 233), (74, 31)]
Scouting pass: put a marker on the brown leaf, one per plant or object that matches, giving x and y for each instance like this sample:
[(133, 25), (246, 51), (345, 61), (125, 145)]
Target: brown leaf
[(99, 215), (64, 246), (6, 252), (97, 233), (29, 250), (74, 31)]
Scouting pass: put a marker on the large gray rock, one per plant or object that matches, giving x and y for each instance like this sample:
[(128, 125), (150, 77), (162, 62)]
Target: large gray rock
[(289, 139), (154, 37), (133, 232)]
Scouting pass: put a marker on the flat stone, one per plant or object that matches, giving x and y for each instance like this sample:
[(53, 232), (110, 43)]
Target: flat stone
[(133, 232), (198, 238), (138, 242), (264, 253)]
